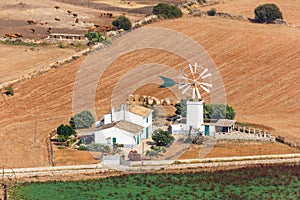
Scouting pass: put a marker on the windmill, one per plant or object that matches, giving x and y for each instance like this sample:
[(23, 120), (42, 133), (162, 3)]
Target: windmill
[(195, 77)]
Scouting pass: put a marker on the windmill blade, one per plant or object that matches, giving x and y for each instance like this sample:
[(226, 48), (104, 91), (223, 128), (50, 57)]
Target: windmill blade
[(191, 68), (207, 75), (205, 84), (198, 93), (183, 77), (182, 86), (203, 72), (196, 65), (205, 89), (183, 73), (194, 93), (186, 89)]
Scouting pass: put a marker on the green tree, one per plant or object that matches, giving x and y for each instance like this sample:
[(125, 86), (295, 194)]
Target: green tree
[(122, 22), (218, 111), (65, 131), (167, 11), (181, 107), (210, 111), (267, 13), (94, 37), (162, 138), (84, 119)]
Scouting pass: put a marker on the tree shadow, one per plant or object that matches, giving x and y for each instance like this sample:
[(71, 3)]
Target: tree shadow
[(254, 20)]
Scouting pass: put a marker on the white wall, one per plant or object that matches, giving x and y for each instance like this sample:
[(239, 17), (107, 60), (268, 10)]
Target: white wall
[(194, 114), (180, 129), (107, 119), (122, 137)]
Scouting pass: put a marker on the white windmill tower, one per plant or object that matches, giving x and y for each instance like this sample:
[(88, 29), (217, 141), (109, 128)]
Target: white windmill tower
[(195, 78)]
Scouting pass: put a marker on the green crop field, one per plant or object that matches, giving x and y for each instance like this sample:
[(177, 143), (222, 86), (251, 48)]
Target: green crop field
[(263, 182)]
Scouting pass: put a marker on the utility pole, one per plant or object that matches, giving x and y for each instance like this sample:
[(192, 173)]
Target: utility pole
[(35, 127)]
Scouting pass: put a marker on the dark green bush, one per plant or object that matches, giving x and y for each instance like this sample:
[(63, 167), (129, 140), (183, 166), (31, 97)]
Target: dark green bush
[(64, 132), (167, 11), (122, 22), (9, 91), (82, 120), (162, 138), (267, 13), (212, 12), (94, 37), (82, 148)]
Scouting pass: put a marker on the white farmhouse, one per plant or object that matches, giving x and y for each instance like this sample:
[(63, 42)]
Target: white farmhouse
[(135, 114), (128, 126)]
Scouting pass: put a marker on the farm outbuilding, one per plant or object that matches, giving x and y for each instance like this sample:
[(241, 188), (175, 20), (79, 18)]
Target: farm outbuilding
[(220, 126), (65, 36), (121, 132)]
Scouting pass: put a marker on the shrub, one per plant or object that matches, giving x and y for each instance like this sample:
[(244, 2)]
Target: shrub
[(82, 148), (64, 132), (162, 138), (212, 12), (122, 22), (218, 111), (152, 153), (267, 13), (9, 91), (94, 37), (98, 148), (82, 120), (167, 11), (201, 1)]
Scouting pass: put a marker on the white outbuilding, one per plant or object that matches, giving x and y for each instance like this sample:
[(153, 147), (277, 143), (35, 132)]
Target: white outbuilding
[(121, 132)]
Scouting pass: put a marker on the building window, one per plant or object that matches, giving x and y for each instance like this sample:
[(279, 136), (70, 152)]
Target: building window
[(114, 140), (147, 120)]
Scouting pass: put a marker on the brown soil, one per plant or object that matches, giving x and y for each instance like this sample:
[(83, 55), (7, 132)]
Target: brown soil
[(48, 98), (21, 60), (72, 157), (228, 149)]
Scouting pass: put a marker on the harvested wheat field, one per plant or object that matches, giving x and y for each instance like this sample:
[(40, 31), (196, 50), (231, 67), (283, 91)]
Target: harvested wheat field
[(238, 148), (259, 65), (47, 98), (21, 60), (289, 8), (70, 156)]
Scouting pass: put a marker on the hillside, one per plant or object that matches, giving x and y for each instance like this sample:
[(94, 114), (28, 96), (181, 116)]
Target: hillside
[(245, 8), (21, 60), (259, 65)]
